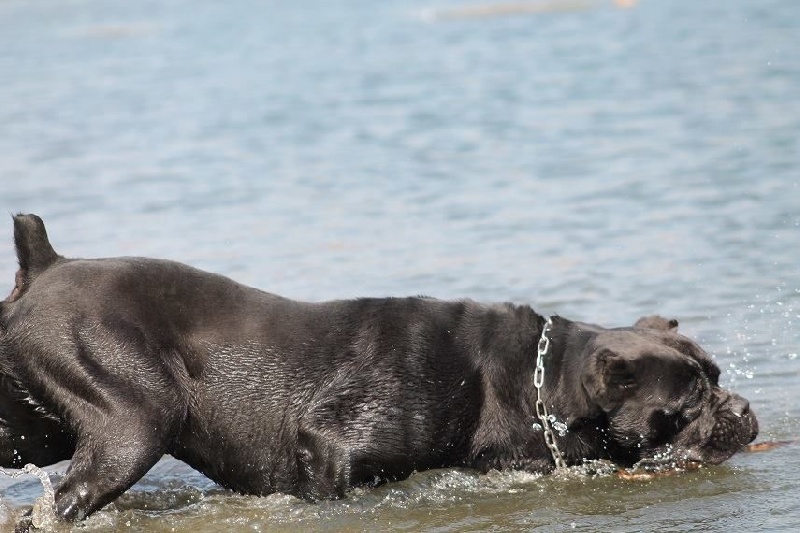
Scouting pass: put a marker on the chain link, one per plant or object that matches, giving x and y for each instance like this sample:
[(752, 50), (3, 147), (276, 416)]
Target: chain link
[(541, 410)]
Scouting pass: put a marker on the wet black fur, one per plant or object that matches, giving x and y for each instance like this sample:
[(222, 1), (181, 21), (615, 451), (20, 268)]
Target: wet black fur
[(115, 362)]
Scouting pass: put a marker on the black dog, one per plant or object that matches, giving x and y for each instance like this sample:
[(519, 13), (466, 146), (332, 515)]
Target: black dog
[(115, 362)]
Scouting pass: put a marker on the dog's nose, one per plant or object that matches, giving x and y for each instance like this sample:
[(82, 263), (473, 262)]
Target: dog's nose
[(739, 406)]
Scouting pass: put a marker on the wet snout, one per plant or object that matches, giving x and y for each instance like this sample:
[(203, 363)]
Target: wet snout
[(738, 405), (740, 408), (736, 424)]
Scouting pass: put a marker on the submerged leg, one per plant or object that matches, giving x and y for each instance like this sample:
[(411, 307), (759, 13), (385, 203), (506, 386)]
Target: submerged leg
[(323, 467)]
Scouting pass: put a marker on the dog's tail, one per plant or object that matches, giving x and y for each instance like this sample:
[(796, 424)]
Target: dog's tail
[(34, 252)]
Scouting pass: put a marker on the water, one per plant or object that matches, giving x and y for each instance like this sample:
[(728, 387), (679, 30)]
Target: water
[(596, 162)]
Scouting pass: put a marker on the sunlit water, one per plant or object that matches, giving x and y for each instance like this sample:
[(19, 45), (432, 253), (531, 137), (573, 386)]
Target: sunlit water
[(595, 162)]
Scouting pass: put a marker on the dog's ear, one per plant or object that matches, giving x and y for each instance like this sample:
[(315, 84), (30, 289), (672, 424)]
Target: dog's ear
[(609, 379), (34, 252), (657, 322)]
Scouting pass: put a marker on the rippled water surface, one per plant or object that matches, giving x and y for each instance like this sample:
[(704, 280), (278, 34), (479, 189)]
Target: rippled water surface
[(595, 162)]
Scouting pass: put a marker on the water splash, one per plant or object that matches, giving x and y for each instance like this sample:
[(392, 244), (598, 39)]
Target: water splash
[(594, 468), (43, 513), (560, 427)]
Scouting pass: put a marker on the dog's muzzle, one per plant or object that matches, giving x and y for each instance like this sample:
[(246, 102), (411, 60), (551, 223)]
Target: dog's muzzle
[(735, 426)]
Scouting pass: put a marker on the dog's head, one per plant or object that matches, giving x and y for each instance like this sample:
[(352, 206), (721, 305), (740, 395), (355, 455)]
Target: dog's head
[(659, 395)]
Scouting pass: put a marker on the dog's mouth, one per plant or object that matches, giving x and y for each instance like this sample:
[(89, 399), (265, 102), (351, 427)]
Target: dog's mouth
[(731, 431), (724, 426)]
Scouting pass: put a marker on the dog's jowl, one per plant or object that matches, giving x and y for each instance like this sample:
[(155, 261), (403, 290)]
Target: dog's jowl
[(115, 362)]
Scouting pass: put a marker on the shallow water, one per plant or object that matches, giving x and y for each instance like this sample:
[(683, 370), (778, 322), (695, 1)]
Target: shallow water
[(595, 162)]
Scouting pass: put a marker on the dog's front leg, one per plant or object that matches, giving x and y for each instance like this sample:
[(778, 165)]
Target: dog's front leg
[(107, 462)]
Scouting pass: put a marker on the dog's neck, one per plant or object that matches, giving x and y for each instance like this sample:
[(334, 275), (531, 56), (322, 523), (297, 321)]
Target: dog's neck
[(547, 425), (564, 392)]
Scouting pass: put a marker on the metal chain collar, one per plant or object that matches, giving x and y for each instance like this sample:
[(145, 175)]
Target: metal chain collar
[(541, 409)]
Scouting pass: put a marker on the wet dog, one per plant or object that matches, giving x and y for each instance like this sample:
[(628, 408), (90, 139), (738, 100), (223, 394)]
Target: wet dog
[(115, 362)]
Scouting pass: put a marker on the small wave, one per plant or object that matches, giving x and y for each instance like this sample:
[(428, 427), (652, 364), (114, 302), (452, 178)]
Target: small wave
[(169, 505)]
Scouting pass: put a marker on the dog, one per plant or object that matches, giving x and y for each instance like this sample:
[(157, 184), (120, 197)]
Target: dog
[(115, 362)]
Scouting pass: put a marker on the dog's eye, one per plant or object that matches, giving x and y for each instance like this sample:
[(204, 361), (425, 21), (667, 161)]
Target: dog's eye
[(694, 399), (693, 407), (678, 421)]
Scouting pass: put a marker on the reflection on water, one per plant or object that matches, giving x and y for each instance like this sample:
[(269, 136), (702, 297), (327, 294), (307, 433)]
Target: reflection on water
[(598, 163)]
